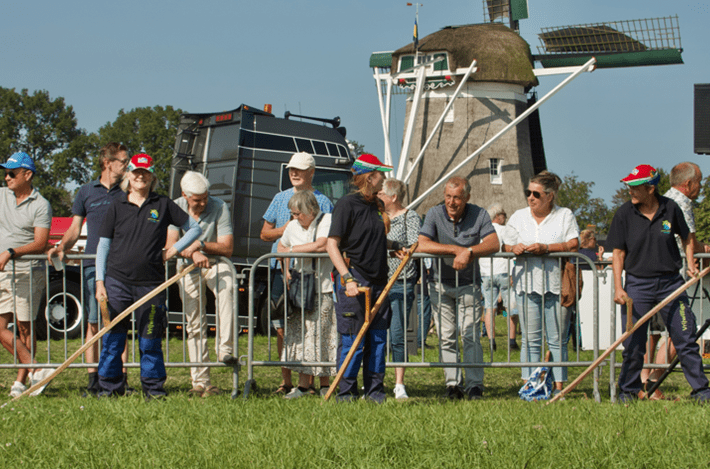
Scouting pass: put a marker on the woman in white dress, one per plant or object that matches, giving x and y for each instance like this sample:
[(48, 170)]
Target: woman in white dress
[(311, 336)]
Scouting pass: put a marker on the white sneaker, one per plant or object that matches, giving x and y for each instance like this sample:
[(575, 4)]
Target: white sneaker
[(400, 392), (17, 389), (295, 393), (38, 377)]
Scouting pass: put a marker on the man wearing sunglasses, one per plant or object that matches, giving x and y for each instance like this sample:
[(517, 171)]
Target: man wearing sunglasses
[(25, 220), (91, 202)]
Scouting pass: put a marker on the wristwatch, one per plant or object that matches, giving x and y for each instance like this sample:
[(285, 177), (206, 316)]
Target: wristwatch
[(202, 245), (348, 277), (12, 253)]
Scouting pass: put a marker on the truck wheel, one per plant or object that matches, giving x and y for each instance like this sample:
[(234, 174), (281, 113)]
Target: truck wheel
[(61, 315)]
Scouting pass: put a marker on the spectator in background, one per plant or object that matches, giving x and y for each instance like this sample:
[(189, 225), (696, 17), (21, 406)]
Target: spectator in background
[(301, 168), (465, 231), (216, 240), (129, 265), (588, 243), (25, 220), (495, 281), (686, 180), (404, 231), (358, 232), (313, 336), (540, 229), (91, 202), (644, 246)]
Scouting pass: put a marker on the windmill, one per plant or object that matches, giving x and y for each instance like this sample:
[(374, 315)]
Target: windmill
[(471, 105)]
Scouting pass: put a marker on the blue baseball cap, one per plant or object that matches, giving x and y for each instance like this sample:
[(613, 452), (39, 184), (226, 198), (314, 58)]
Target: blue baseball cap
[(20, 160)]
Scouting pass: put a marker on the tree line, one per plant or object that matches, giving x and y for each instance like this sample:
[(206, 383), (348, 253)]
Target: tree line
[(65, 155)]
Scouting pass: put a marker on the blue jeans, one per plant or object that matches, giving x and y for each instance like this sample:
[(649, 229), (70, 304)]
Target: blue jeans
[(90, 304), (492, 286), (400, 307), (556, 322)]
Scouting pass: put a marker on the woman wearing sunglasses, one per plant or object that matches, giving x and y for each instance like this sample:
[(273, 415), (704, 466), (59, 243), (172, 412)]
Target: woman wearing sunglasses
[(537, 230)]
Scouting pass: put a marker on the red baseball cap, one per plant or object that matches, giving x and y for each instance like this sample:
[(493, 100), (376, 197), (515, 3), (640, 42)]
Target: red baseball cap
[(367, 163), (141, 161), (642, 174)]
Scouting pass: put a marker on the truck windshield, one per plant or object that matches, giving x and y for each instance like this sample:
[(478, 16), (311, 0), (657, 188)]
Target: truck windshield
[(333, 183)]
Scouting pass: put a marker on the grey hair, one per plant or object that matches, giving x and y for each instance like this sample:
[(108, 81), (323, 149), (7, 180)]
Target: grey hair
[(304, 202), (495, 210), (393, 186), (194, 183), (126, 184), (458, 181), (682, 172)]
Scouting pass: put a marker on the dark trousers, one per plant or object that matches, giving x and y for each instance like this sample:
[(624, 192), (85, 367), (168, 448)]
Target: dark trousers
[(646, 293), (150, 324), (350, 315)]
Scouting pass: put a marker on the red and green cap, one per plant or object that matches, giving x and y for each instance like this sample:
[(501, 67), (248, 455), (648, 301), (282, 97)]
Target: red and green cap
[(141, 161), (366, 163), (642, 174)]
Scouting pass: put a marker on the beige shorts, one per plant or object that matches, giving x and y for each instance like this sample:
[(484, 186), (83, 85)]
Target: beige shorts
[(20, 304)]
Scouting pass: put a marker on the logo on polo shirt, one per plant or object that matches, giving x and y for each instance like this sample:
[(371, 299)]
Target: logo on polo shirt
[(666, 227), (154, 216)]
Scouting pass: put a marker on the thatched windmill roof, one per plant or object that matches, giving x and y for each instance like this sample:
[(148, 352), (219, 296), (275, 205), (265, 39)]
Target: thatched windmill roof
[(503, 56)]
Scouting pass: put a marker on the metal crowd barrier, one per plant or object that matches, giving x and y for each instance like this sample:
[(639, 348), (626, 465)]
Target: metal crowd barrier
[(64, 306), (272, 361)]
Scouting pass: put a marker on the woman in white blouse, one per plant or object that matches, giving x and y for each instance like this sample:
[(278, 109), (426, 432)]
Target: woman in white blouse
[(539, 229), (313, 337)]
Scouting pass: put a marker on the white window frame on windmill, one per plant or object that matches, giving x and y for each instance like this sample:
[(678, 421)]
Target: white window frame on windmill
[(495, 166), (438, 74)]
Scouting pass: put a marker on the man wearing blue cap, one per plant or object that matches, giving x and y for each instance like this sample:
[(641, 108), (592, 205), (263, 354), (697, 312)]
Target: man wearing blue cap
[(25, 220)]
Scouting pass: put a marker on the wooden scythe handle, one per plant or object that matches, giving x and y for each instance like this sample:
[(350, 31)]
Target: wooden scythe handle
[(628, 333), (107, 327), (369, 316)]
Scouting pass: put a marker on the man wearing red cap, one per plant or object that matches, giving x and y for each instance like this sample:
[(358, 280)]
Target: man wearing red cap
[(642, 236)]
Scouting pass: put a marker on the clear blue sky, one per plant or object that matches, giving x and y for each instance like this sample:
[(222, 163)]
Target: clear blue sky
[(311, 57)]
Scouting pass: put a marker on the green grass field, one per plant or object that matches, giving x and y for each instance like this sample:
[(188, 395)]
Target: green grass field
[(62, 429)]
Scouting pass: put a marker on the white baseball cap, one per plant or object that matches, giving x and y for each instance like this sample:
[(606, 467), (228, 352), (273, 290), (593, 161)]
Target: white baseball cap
[(301, 160)]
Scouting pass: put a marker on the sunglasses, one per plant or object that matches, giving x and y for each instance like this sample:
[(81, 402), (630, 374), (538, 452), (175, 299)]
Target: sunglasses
[(12, 174), (535, 194), (123, 162)]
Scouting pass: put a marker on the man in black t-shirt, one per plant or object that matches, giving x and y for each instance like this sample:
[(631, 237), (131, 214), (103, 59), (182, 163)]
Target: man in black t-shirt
[(642, 236)]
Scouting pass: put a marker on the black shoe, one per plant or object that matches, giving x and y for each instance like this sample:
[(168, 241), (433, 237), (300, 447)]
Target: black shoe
[(229, 360), (155, 397), (475, 393), (453, 393), (627, 398), (513, 345), (495, 348), (92, 389)]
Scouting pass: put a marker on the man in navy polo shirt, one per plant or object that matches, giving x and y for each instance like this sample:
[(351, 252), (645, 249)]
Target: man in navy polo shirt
[(91, 202), (642, 236), (463, 230)]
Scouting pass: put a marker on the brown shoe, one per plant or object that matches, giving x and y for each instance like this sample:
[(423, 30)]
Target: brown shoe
[(196, 391), (283, 389), (211, 391)]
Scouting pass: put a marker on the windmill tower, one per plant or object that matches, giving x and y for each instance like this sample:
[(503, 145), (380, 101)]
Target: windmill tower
[(471, 109)]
